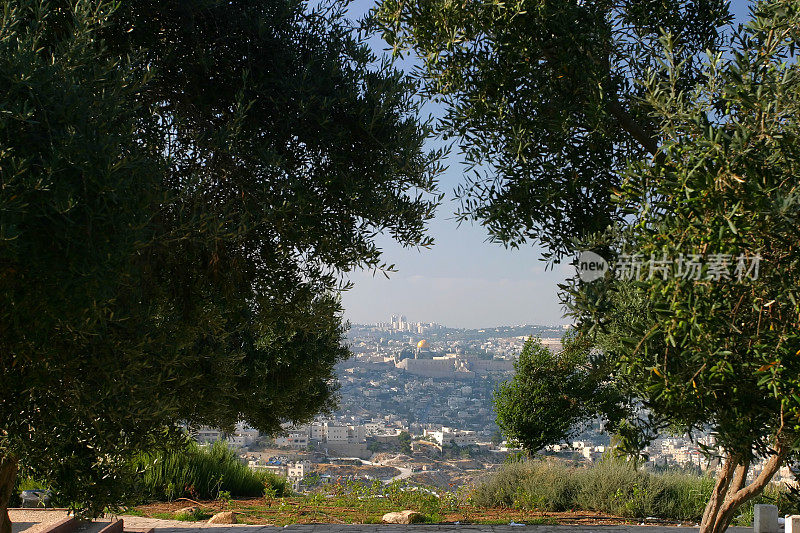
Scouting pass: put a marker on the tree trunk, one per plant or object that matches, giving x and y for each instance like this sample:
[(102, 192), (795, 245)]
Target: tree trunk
[(719, 492), (730, 491), (8, 475)]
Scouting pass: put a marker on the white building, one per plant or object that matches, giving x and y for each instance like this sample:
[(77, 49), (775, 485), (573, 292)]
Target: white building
[(373, 428), (258, 464), (317, 432), (327, 431), (448, 435), (334, 433), (356, 433), (295, 439), (299, 470), (207, 435)]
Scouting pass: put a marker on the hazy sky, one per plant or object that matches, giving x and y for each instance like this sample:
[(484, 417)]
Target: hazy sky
[(463, 280)]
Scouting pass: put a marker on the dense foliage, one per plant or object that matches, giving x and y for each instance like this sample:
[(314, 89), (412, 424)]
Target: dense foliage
[(542, 99), (699, 323), (181, 186), (721, 347), (551, 395), (654, 133)]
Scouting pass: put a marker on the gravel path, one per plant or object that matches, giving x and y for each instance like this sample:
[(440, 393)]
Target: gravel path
[(34, 520), (30, 520)]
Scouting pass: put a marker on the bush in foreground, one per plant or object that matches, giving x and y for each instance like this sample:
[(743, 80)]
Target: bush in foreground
[(613, 487), (204, 473)]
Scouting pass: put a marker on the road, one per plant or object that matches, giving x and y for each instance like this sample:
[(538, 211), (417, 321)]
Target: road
[(404, 472)]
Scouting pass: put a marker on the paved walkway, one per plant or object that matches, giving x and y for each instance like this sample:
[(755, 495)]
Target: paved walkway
[(175, 526), (28, 521)]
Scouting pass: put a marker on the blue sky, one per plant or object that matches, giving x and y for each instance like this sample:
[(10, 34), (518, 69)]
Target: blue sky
[(463, 280)]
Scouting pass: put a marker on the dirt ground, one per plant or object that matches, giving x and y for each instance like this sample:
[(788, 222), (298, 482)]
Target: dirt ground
[(378, 472), (295, 511)]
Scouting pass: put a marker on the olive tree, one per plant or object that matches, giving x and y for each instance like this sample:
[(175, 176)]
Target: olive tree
[(664, 139), (717, 219), (182, 185), (698, 325), (553, 395)]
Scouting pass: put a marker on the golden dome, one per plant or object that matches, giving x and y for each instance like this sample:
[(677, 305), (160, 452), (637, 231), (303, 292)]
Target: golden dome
[(422, 344)]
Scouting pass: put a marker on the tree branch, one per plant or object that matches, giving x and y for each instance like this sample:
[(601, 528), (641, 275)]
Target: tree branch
[(720, 489), (739, 477), (8, 475), (773, 465), (742, 495), (630, 125)]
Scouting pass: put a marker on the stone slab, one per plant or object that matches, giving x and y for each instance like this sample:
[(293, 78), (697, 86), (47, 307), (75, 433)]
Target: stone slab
[(115, 526), (39, 520), (765, 518)]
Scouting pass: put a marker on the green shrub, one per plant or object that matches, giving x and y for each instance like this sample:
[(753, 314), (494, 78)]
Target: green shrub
[(617, 487), (610, 486), (374, 499), (546, 488), (501, 488), (198, 472), (195, 516)]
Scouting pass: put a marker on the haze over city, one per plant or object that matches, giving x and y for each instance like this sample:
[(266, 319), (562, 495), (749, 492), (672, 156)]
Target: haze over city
[(463, 280)]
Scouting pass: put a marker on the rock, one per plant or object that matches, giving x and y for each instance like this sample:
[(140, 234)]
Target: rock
[(187, 510), (403, 517), (225, 517)]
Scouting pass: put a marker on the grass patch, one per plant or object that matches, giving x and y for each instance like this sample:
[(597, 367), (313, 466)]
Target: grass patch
[(163, 516), (367, 503), (196, 516), (538, 521), (610, 486), (204, 473), (347, 502)]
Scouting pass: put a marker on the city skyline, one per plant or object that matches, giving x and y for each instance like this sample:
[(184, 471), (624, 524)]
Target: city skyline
[(413, 321)]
